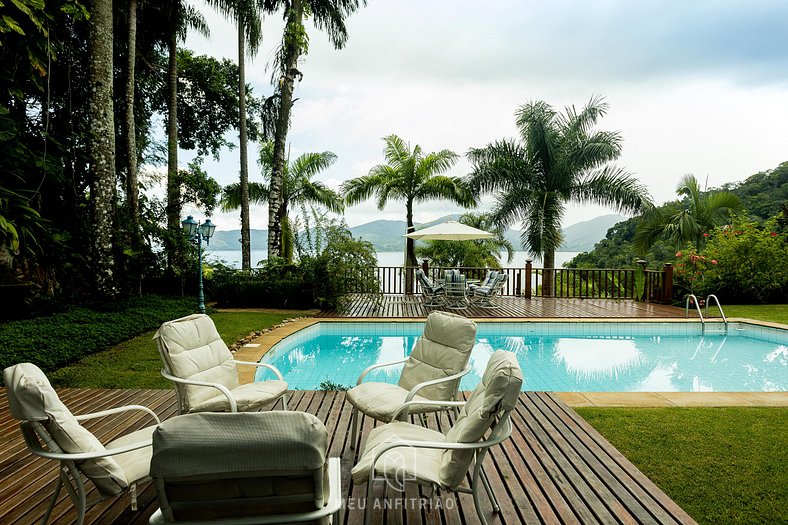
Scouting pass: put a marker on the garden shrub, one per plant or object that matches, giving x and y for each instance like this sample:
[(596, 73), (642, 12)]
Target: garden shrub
[(55, 340)]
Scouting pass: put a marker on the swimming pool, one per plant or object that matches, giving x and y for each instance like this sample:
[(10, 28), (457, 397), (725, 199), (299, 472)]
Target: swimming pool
[(564, 357)]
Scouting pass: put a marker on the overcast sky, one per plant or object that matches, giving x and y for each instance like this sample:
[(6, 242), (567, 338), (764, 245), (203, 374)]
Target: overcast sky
[(694, 87)]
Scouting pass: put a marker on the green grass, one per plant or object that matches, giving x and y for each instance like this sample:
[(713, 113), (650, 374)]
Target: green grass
[(136, 364), (775, 313), (721, 465)]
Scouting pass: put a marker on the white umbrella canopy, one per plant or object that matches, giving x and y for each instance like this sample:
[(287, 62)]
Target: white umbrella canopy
[(449, 231)]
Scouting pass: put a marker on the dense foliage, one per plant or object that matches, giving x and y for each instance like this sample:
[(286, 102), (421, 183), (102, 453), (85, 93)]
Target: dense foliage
[(55, 340), (475, 253)]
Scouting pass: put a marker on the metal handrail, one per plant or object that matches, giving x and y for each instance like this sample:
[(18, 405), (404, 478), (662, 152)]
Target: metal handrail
[(725, 319), (697, 306)]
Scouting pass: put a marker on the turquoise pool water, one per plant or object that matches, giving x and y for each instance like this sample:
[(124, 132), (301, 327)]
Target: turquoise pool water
[(580, 357)]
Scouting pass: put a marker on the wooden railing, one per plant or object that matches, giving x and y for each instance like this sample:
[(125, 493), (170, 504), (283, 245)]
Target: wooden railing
[(529, 282)]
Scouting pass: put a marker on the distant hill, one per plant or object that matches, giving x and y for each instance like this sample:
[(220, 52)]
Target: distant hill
[(386, 235)]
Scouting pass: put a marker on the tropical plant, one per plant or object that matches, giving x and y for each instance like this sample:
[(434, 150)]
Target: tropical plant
[(329, 16), (409, 175), (476, 253), (693, 218), (560, 158), (298, 189)]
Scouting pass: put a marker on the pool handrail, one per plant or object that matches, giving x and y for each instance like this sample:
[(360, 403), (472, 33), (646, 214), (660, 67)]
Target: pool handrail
[(719, 306), (697, 307)]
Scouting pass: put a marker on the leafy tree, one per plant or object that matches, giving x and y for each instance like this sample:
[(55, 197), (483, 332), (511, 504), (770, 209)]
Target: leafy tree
[(409, 175), (696, 216), (298, 189), (475, 253), (763, 193), (329, 16), (560, 158)]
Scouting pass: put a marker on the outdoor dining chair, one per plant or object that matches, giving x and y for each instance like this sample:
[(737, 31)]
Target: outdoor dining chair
[(436, 293), (484, 296), (456, 290), (400, 452), (244, 468), (491, 274), (431, 372), (205, 374), (51, 431)]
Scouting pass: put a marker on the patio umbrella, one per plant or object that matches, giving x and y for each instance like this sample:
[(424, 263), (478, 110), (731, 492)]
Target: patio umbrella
[(449, 231)]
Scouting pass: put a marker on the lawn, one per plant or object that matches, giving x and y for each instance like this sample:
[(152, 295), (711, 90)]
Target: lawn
[(775, 313), (721, 465), (136, 364)]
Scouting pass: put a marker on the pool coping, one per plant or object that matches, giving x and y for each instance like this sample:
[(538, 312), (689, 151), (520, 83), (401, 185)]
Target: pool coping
[(264, 343)]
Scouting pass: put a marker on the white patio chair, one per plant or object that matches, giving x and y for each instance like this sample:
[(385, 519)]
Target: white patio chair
[(51, 431), (434, 292), (244, 468), (456, 291), (432, 372), (204, 372), (484, 296), (400, 452), (489, 276)]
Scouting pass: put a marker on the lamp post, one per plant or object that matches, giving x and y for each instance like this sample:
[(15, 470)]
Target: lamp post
[(197, 232)]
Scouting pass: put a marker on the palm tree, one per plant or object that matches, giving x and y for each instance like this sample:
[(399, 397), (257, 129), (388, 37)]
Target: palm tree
[(101, 142), (250, 33), (698, 213), (481, 252), (329, 16), (560, 158), (413, 177), (298, 188)]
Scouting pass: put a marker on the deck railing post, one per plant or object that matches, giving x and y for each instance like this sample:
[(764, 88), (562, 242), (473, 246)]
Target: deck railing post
[(528, 270), (667, 284), (425, 267)]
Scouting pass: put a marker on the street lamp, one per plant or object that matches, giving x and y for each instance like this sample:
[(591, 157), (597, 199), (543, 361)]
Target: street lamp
[(197, 232)]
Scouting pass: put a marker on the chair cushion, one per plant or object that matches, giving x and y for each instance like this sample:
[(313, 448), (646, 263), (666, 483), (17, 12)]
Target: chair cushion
[(32, 398), (443, 350), (381, 400), (496, 394), (250, 396), (135, 464), (191, 348), (401, 463)]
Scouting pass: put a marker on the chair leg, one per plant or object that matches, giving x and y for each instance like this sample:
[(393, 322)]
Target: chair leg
[(52, 502), (490, 493), (368, 502), (354, 428), (284, 401)]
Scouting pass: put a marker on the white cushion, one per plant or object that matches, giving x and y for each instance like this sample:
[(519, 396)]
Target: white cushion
[(381, 400), (250, 396), (402, 463), (135, 464)]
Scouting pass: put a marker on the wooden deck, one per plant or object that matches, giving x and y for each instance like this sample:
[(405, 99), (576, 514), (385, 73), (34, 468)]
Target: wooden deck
[(364, 305), (555, 469)]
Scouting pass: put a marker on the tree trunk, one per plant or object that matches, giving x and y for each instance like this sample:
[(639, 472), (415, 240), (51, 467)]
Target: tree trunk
[(286, 87), (410, 250), (173, 187), (102, 143), (246, 244), (548, 279), (132, 185)]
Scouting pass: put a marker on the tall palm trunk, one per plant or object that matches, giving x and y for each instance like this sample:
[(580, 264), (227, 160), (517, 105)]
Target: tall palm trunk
[(286, 87), (548, 279), (410, 249), (173, 187), (102, 143), (132, 182), (246, 243)]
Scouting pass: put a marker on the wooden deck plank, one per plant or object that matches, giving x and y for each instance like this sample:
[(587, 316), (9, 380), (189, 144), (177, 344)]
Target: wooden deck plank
[(412, 306), (555, 469)]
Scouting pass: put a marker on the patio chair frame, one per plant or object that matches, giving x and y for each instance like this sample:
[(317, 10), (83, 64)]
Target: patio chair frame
[(457, 294), (435, 293), (36, 437), (488, 301), (500, 432), (446, 405)]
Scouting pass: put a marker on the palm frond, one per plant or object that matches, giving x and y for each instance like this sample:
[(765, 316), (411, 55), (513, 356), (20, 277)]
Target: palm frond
[(308, 165), (231, 195), (449, 188), (318, 193), (612, 186)]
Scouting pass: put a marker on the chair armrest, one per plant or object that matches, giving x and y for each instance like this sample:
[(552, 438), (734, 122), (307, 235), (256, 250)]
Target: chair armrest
[(263, 365), (406, 406), (223, 389), (381, 365), (415, 389), (65, 456), (108, 412)]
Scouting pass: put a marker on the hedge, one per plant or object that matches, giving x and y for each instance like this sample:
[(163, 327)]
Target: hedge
[(56, 340)]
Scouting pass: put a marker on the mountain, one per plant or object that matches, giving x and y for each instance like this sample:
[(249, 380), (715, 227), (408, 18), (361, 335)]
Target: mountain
[(386, 235)]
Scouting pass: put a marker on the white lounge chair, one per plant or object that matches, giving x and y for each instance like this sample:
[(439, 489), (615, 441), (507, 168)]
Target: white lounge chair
[(204, 372), (400, 452), (51, 431), (244, 468), (432, 372)]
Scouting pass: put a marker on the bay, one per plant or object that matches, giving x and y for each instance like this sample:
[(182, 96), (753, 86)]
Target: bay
[(233, 258)]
